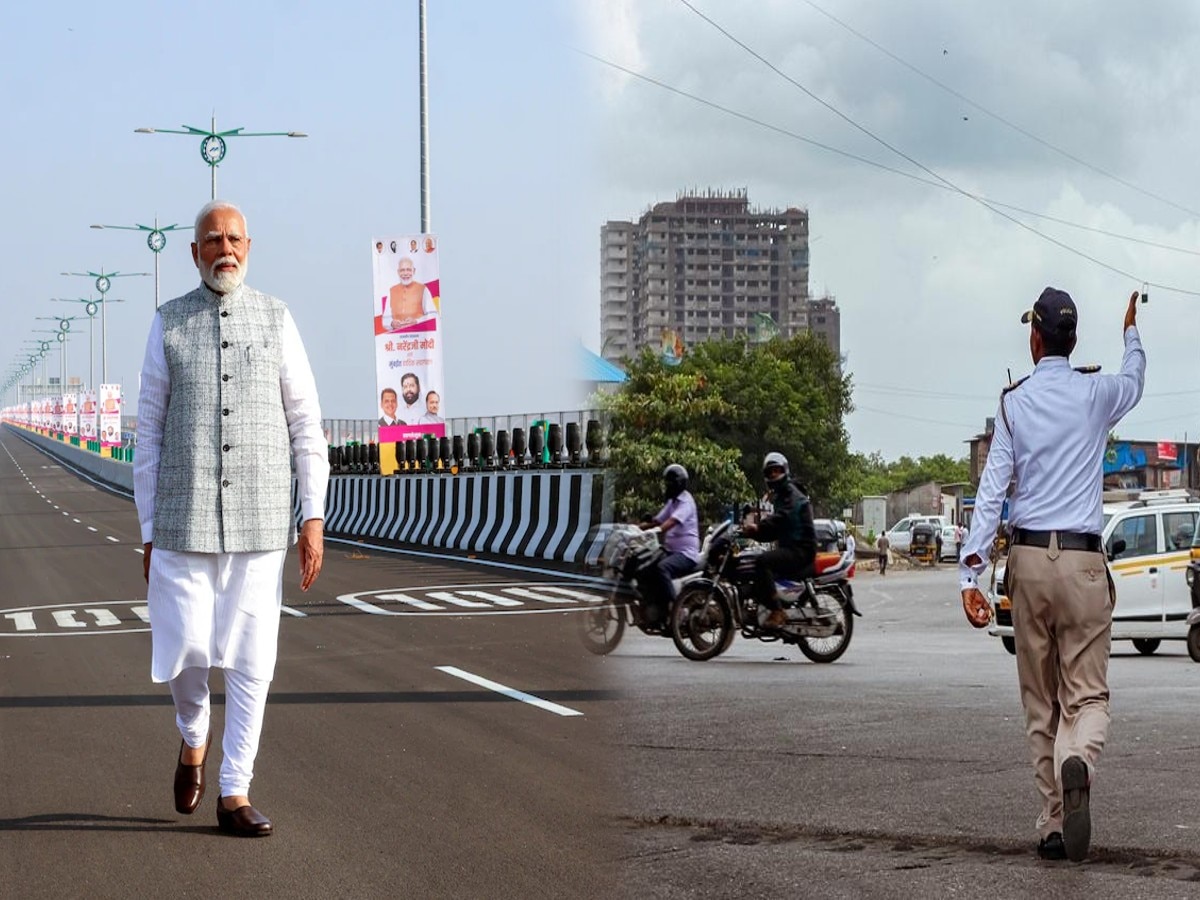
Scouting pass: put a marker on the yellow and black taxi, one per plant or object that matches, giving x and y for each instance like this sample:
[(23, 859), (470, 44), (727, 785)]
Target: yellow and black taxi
[(1151, 544)]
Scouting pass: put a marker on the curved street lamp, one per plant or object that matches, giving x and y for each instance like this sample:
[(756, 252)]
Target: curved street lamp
[(212, 142), (156, 240), (103, 284), (91, 307)]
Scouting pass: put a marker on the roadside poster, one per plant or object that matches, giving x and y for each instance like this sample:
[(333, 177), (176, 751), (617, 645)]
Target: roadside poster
[(70, 423), (408, 337), (110, 414), (87, 416)]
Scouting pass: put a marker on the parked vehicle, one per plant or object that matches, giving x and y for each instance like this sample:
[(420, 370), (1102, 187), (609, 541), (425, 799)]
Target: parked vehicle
[(719, 602), (900, 534), (922, 547), (1148, 542), (949, 545)]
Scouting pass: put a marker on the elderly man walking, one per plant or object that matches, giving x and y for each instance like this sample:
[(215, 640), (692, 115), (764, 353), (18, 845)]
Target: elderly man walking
[(227, 399)]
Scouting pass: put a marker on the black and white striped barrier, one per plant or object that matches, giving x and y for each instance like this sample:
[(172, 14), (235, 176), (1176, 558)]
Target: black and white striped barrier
[(541, 515)]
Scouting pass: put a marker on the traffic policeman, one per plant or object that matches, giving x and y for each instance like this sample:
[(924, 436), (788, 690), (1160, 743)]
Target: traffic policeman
[(1047, 456)]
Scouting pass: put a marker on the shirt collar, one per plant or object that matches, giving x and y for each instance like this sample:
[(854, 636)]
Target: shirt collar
[(213, 297), (1052, 363)]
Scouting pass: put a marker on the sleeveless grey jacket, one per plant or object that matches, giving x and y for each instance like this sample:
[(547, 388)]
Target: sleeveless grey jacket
[(224, 480)]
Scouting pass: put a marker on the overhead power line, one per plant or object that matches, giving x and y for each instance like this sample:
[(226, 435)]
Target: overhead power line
[(920, 165), (1001, 119), (911, 176)]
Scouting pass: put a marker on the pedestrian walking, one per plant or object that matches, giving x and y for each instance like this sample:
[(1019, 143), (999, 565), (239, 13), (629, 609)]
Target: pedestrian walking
[(227, 401), (1048, 444), (883, 547)]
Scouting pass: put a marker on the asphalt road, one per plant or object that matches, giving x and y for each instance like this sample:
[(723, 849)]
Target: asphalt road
[(899, 771), (387, 768)]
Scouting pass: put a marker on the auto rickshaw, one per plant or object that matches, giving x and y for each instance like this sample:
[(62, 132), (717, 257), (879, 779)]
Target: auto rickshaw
[(923, 548)]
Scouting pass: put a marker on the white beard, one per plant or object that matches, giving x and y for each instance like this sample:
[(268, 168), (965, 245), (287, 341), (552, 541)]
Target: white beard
[(224, 282)]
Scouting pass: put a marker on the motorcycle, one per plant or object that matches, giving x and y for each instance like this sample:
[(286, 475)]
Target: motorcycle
[(628, 553), (718, 602)]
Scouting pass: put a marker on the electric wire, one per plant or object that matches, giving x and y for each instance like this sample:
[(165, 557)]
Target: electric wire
[(1001, 119), (898, 152), (778, 129)]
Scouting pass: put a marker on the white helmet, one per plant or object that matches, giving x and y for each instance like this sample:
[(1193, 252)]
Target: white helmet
[(775, 460)]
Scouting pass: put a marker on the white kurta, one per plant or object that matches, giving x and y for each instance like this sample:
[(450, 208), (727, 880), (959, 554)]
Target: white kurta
[(222, 609)]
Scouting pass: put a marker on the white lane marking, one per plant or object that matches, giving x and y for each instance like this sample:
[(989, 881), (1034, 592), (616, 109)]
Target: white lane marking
[(142, 612), (109, 537), (494, 598), (22, 620), (378, 611), (76, 521), (139, 550), (447, 597), (293, 612), (54, 507), (90, 528), (103, 617), (65, 618), (534, 595), (509, 692), (579, 595), (65, 513), (442, 555)]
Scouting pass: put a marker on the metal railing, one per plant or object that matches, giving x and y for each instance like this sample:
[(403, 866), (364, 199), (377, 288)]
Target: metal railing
[(342, 431)]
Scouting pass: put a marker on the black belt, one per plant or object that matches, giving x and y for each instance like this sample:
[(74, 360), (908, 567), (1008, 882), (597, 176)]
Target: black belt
[(1067, 540)]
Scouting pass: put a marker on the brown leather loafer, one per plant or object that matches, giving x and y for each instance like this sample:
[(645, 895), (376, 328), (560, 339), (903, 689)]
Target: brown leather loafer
[(189, 781), (245, 821)]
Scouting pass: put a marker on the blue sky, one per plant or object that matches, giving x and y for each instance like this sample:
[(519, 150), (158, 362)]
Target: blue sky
[(510, 175)]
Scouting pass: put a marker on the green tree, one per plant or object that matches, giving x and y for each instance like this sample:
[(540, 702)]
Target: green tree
[(723, 409)]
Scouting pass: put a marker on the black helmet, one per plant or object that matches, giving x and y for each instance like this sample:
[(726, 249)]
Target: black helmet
[(675, 480), (775, 460)]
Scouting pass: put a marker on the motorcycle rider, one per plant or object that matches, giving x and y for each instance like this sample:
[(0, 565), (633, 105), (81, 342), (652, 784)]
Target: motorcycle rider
[(791, 527), (680, 526)]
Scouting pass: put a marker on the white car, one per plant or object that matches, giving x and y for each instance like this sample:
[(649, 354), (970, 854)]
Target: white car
[(900, 534), (1148, 542)]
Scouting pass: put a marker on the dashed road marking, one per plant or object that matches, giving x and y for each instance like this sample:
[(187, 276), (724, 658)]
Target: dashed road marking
[(66, 619), (109, 537), (90, 528), (509, 692)]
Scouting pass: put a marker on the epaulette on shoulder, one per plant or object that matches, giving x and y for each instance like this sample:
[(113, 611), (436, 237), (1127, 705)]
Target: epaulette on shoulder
[(1012, 387), (1087, 370)]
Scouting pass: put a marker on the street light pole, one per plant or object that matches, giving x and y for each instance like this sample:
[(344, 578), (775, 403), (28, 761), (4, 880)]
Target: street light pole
[(156, 240), (424, 88), (212, 142), (91, 308), (103, 283)]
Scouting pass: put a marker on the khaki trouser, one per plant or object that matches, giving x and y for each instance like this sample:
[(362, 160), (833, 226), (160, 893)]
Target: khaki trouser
[(1062, 602)]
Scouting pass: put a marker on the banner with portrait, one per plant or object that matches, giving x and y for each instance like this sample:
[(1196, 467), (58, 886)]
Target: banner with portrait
[(110, 415), (87, 416), (70, 420), (407, 310)]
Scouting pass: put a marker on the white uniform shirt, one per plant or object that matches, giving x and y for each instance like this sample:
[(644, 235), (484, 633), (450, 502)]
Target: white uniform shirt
[(301, 407), (1060, 421)]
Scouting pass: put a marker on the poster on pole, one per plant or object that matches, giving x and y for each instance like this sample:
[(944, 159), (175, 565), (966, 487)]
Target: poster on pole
[(87, 416), (70, 415), (110, 414), (408, 337)]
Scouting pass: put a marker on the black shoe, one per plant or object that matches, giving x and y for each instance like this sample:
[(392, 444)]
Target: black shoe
[(1077, 817), (1051, 847)]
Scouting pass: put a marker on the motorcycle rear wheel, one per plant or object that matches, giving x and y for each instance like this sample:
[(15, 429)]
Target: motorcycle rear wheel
[(827, 649), (601, 627), (701, 623)]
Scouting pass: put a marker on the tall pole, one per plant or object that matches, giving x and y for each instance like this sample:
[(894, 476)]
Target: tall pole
[(91, 353), (103, 339), (425, 223), (212, 167)]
